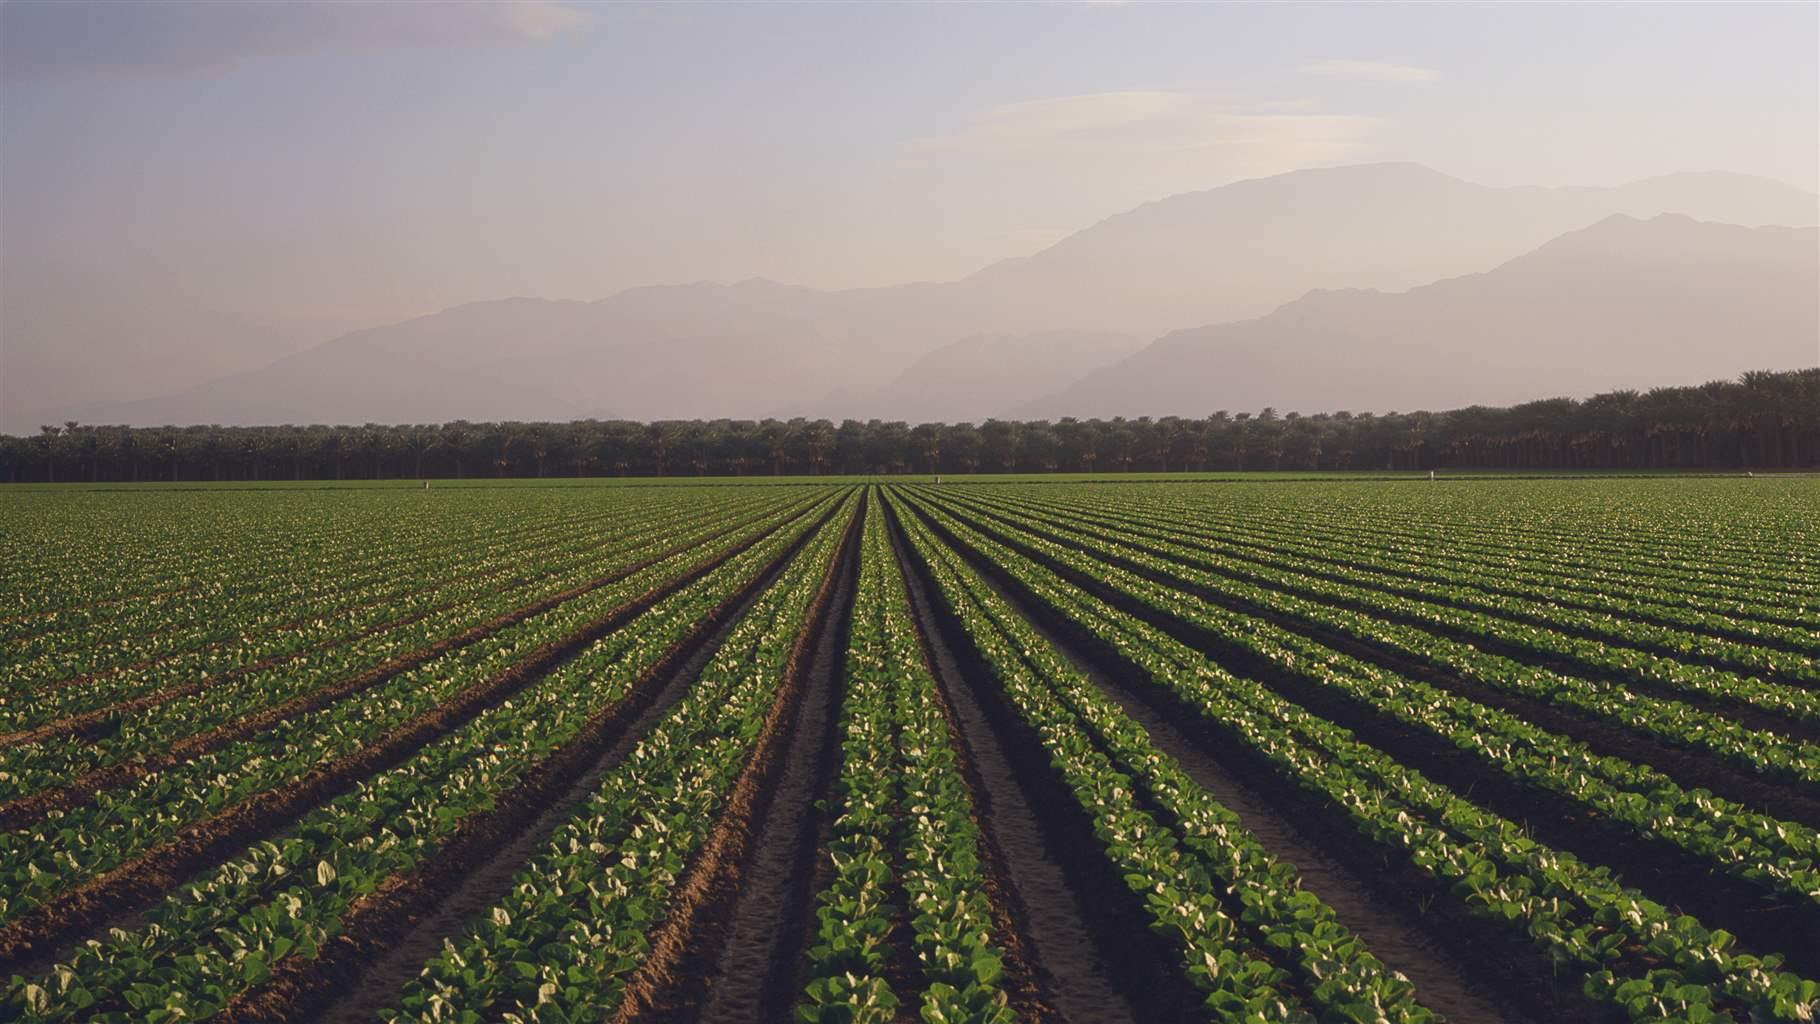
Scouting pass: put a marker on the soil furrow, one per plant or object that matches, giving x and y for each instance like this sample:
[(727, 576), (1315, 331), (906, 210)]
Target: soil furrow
[(1667, 873), (1336, 567), (1503, 966), (26, 810), (756, 970), (31, 939), (1690, 767), (1085, 944), (299, 989), (1391, 930), (673, 981), (377, 984), (1027, 988)]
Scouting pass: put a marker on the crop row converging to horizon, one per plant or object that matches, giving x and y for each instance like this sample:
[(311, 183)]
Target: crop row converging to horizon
[(1524, 750)]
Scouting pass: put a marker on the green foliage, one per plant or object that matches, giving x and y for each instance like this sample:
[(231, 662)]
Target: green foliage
[(1685, 613)]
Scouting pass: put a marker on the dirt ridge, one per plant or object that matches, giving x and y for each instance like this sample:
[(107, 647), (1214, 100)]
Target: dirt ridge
[(754, 966), (1754, 717), (300, 989), (378, 980), (1394, 934), (1090, 928), (1691, 767), (1505, 966), (30, 939), (28, 809), (698, 912)]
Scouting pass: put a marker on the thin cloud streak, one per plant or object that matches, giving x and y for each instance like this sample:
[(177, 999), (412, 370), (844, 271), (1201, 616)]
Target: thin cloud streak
[(1149, 121), (1378, 70), (1162, 139)]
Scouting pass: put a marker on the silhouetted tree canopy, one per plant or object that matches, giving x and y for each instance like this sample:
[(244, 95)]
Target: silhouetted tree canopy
[(1763, 420)]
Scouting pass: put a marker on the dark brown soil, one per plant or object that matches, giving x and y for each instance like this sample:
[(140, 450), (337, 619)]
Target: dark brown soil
[(1505, 969), (298, 988), (673, 981), (377, 984), (1662, 871), (1690, 767), (1028, 988), (755, 973), (1393, 930), (1093, 955), (31, 939), (1754, 717), (25, 810)]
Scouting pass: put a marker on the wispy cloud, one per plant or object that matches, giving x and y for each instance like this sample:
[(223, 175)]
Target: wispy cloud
[(101, 37), (1171, 140), (1382, 71)]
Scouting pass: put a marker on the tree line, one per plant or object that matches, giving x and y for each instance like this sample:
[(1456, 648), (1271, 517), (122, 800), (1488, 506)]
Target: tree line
[(1764, 420)]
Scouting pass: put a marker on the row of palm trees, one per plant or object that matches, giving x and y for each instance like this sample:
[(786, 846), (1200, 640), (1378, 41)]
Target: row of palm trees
[(1764, 420)]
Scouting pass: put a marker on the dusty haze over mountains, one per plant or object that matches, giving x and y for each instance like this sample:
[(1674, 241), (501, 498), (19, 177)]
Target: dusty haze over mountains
[(1671, 299), (1625, 303), (314, 213)]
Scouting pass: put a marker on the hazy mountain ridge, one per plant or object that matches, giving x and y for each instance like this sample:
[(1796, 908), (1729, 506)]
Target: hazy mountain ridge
[(1246, 248), (1622, 303), (759, 348)]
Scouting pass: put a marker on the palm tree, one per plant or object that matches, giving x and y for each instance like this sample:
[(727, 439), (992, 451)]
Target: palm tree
[(50, 449), (815, 439), (927, 440)]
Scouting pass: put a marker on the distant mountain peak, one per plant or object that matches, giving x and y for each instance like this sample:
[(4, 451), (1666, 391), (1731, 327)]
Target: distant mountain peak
[(1667, 296), (1625, 239), (1310, 242)]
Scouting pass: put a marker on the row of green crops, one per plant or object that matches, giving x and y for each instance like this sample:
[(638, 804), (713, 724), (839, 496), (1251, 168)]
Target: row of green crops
[(1632, 616), (73, 846), (150, 726), (1622, 648), (120, 635), (578, 920), (1359, 615), (904, 854), (1634, 953), (79, 559), (225, 931), (248, 737), (1255, 944), (1457, 527), (1777, 856), (333, 599)]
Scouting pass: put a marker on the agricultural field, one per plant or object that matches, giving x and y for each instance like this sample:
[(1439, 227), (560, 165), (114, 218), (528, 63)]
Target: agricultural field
[(1217, 749)]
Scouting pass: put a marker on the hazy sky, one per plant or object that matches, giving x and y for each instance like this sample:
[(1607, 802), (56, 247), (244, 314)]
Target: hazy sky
[(189, 188)]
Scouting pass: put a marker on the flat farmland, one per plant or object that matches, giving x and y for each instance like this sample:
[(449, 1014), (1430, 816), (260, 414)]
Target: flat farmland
[(991, 750)]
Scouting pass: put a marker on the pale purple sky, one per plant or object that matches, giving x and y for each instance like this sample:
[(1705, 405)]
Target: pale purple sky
[(186, 189)]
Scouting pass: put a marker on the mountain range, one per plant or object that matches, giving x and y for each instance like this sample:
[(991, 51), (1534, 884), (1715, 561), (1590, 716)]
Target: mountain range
[(1365, 287), (1624, 303)]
